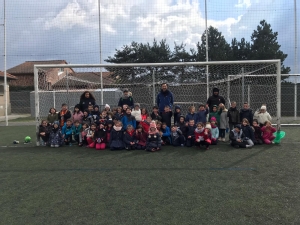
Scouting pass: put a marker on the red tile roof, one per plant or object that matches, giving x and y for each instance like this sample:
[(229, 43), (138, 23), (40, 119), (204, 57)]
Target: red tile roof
[(8, 76), (27, 67)]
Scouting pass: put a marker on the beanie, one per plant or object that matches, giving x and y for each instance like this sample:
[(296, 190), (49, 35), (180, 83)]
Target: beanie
[(137, 104), (107, 106), (208, 126), (213, 119), (56, 122), (263, 107), (215, 89), (152, 124)]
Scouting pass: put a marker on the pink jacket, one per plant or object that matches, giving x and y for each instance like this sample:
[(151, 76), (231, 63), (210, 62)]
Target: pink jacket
[(77, 116), (267, 132)]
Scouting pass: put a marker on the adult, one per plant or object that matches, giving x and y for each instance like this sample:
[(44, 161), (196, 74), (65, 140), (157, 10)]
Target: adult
[(164, 98), (215, 99), (86, 99), (126, 99)]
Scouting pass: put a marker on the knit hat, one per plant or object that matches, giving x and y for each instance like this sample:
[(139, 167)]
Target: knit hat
[(263, 107), (177, 107), (125, 90), (152, 124), (238, 126), (208, 126), (107, 106), (56, 122), (213, 119), (215, 89), (137, 104), (96, 106), (215, 106)]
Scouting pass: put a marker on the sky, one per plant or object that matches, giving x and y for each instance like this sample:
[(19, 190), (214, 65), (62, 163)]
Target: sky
[(69, 29)]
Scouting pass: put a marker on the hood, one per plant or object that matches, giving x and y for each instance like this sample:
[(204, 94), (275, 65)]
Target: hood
[(215, 90), (177, 107)]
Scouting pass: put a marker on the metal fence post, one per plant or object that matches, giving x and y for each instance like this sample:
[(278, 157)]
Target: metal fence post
[(153, 90)]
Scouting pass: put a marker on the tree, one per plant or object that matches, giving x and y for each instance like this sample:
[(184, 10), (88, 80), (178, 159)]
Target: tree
[(240, 50), (265, 45)]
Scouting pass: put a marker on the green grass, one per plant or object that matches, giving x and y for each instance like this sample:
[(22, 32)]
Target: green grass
[(23, 119), (72, 185)]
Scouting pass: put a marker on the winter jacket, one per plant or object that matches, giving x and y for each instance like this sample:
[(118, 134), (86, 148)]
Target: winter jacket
[(137, 115), (215, 99), (47, 130), (87, 120), (233, 135), (176, 114), (190, 116), (141, 138), (166, 117), (52, 117), (182, 127), (201, 116), (155, 117), (175, 135), (55, 137), (248, 114), (248, 132), (126, 100), (190, 131), (129, 137), (223, 120), (233, 115), (116, 139), (163, 99), (67, 131), (76, 130), (262, 117), (145, 126), (128, 120), (214, 132), (85, 102), (153, 141), (101, 134), (267, 132), (63, 117), (200, 135), (77, 116), (257, 133), (216, 115), (166, 132)]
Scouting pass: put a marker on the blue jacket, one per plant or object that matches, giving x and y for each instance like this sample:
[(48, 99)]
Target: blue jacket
[(166, 132), (126, 121), (67, 131), (190, 116), (163, 99), (215, 132), (76, 130), (201, 116), (248, 132)]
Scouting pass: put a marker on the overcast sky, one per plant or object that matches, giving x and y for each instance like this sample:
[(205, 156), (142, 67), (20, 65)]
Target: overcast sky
[(69, 29)]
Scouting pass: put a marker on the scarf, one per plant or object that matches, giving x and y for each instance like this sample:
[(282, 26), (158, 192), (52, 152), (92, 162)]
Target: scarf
[(117, 128), (152, 132), (130, 133), (62, 113), (213, 126), (199, 130)]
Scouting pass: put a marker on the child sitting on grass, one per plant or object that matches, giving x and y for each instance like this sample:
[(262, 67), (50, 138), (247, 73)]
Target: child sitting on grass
[(165, 134), (116, 137), (267, 133), (67, 131), (141, 138), (56, 138), (76, 131), (129, 138), (202, 136), (177, 138), (100, 137), (257, 133), (43, 134), (153, 143)]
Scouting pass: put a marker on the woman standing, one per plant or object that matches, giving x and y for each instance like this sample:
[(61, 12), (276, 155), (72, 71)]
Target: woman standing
[(86, 99)]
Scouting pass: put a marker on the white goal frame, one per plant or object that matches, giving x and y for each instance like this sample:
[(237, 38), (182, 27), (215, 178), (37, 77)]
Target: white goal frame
[(276, 62)]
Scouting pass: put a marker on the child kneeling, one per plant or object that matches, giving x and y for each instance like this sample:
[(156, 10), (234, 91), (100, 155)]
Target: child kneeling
[(202, 135), (100, 137), (177, 137), (153, 143), (267, 133)]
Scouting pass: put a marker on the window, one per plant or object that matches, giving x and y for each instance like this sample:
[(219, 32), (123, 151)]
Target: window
[(1, 89)]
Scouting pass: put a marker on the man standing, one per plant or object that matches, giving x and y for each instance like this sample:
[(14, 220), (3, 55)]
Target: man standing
[(126, 99), (164, 98), (215, 99)]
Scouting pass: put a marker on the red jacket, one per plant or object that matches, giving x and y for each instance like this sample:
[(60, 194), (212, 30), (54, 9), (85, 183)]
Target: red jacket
[(202, 135), (145, 126), (267, 132), (141, 138)]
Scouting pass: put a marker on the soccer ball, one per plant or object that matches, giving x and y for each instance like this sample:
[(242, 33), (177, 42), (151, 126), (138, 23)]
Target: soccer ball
[(27, 139)]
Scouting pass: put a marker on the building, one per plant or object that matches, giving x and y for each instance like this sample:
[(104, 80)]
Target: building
[(2, 97)]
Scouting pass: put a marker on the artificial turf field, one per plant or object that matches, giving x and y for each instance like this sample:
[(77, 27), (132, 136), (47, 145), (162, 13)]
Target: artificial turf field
[(224, 185)]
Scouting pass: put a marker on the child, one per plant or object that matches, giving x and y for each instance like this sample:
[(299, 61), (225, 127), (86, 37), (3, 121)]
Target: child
[(77, 114), (136, 112), (141, 138), (155, 114), (90, 109), (100, 137), (214, 131), (257, 133), (191, 115), (116, 137), (67, 132), (90, 136), (87, 118), (144, 114), (248, 133), (182, 125), (55, 137), (233, 115), (102, 117), (223, 122), (158, 125), (202, 136), (262, 116), (165, 134), (76, 131), (84, 130), (44, 131), (153, 143), (247, 113), (166, 116), (202, 114), (128, 119), (177, 114), (190, 133), (107, 107), (215, 113), (267, 133), (119, 114), (177, 138), (236, 137), (95, 113), (64, 114), (129, 138), (52, 116), (146, 124)]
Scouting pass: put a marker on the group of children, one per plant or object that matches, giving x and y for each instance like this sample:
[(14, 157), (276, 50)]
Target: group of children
[(126, 128)]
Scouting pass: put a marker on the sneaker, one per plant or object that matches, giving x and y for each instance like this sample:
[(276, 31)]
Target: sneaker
[(223, 139), (52, 146), (219, 139), (56, 146), (182, 145), (248, 146)]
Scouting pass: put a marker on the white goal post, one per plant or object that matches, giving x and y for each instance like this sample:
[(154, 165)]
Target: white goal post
[(58, 83)]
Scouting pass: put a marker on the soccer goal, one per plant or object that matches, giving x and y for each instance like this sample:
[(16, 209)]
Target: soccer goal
[(257, 82)]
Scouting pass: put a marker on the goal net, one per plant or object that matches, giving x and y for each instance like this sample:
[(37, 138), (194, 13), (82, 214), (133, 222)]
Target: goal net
[(256, 82)]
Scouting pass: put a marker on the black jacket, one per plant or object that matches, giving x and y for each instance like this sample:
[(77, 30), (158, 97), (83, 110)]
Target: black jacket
[(85, 102), (215, 99), (233, 115), (126, 101), (246, 113), (248, 132)]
